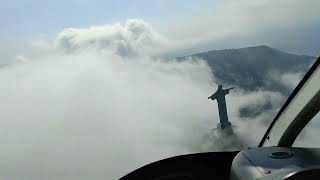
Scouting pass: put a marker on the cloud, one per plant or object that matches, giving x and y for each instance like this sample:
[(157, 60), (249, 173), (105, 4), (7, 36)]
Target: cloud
[(41, 44), (94, 116), (291, 80), (22, 59), (288, 80), (257, 103), (101, 103), (135, 37)]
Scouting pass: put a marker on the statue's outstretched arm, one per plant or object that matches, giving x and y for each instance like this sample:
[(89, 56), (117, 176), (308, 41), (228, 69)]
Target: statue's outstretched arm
[(213, 96), (228, 90)]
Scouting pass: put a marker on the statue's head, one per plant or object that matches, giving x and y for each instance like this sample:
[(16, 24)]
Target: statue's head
[(219, 86)]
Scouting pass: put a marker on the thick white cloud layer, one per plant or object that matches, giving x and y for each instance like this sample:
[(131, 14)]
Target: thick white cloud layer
[(88, 116), (135, 37), (99, 103)]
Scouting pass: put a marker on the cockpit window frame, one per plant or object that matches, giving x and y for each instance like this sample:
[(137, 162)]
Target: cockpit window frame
[(295, 127)]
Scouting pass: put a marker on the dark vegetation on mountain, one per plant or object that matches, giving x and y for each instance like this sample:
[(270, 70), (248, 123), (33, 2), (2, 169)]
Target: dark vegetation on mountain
[(252, 68)]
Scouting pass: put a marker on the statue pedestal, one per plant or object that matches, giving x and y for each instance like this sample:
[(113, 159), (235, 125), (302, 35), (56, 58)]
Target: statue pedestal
[(225, 140)]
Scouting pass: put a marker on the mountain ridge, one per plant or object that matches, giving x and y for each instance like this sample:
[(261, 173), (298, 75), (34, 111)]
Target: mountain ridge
[(251, 68), (248, 48)]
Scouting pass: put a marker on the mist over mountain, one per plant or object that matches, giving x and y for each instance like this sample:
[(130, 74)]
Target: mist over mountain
[(253, 68), (256, 68)]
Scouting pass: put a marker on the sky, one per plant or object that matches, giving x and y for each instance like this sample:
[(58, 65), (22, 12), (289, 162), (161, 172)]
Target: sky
[(25, 18), (92, 89), (291, 26)]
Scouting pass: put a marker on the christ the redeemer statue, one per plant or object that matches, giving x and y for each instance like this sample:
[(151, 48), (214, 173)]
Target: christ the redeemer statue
[(219, 95)]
